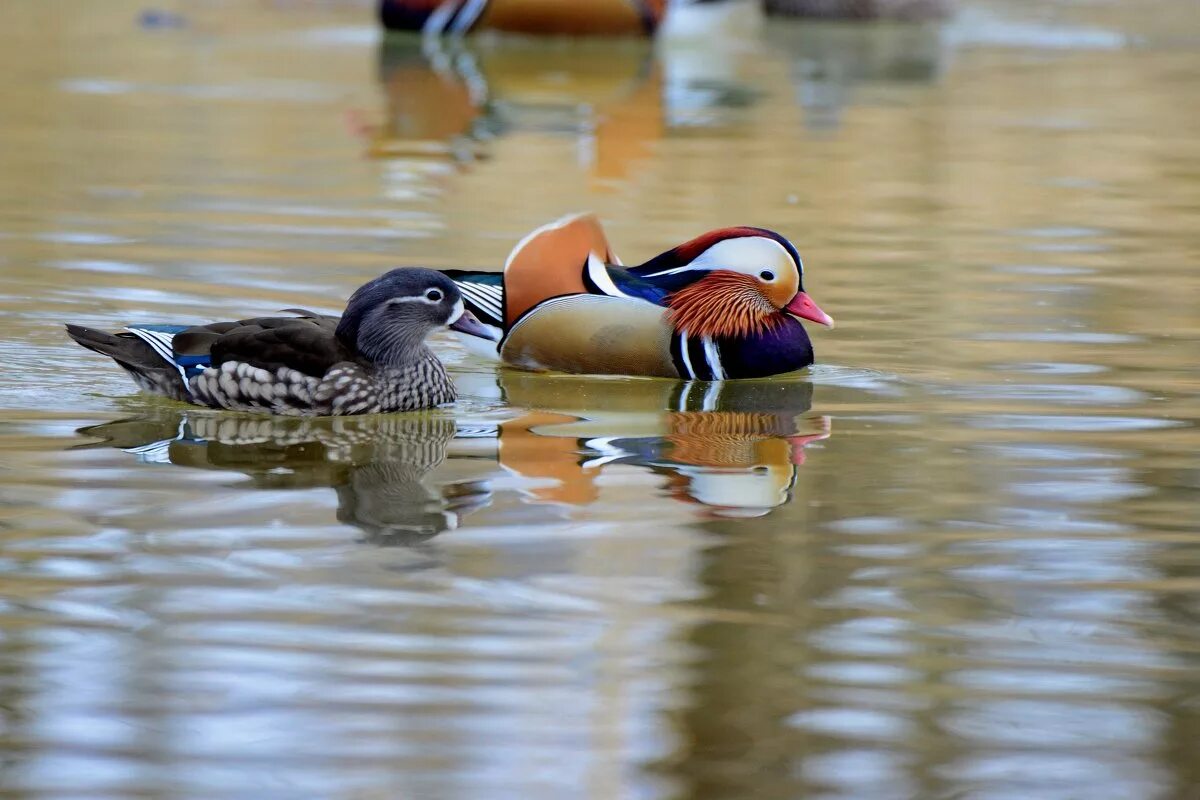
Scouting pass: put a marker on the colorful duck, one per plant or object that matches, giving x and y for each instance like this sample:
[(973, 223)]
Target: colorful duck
[(724, 305), (569, 17), (373, 359)]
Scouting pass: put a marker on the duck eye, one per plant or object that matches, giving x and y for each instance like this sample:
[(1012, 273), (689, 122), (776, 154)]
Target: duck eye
[(767, 275), (434, 295)]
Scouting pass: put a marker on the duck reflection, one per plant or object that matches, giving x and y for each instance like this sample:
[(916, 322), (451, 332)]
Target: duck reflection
[(377, 464), (450, 97), (829, 62), (732, 447)]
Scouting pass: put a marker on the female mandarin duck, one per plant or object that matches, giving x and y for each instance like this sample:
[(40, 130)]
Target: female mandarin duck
[(572, 17), (724, 305), (373, 359)]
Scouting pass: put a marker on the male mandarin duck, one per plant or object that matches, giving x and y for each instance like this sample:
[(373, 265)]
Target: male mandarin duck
[(571, 17), (373, 359), (726, 304)]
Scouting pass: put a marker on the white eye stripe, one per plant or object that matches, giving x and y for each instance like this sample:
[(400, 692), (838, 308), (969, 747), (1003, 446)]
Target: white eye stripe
[(749, 255), (420, 298)]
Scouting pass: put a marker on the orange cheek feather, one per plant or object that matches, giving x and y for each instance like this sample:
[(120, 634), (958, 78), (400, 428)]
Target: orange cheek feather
[(783, 290), (723, 304)]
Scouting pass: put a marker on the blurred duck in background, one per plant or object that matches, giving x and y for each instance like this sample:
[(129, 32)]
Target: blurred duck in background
[(447, 99), (904, 10), (569, 17), (621, 17)]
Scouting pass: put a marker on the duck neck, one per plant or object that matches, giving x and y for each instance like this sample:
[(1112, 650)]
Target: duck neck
[(393, 348)]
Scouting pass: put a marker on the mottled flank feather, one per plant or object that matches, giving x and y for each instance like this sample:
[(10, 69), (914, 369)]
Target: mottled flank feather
[(345, 389), (722, 305), (371, 360)]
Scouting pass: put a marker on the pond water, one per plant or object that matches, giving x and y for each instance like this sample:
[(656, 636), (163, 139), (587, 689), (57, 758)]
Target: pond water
[(957, 558)]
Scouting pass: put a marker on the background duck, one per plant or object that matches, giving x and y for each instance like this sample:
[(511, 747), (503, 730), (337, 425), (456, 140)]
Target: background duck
[(905, 10), (726, 304), (626, 17), (372, 359), (575, 18)]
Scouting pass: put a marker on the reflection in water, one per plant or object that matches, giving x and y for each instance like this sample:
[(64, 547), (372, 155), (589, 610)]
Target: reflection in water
[(451, 96), (376, 465), (829, 62), (732, 448)]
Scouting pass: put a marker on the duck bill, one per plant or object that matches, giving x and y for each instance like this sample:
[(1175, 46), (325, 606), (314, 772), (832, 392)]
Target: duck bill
[(803, 307), (469, 324)]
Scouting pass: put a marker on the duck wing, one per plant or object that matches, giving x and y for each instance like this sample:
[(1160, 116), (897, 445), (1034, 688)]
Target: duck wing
[(483, 292), (308, 345), (624, 283), (553, 260), (570, 256), (565, 302)]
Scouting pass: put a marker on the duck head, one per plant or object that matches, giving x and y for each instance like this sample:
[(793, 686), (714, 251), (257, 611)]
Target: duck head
[(387, 319), (732, 283)]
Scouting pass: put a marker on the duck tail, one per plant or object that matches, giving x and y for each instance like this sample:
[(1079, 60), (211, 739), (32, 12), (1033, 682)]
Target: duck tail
[(128, 351), (148, 368)]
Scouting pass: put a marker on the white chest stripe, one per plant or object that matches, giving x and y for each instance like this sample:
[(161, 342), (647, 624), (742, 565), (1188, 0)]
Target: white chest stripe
[(712, 355), (683, 351)]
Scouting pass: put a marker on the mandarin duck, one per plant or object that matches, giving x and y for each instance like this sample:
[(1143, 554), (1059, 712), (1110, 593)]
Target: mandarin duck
[(575, 18), (726, 304), (903, 10), (373, 359)]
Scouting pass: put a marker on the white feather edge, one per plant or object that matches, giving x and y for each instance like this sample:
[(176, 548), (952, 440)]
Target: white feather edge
[(160, 343), (561, 222), (598, 272)]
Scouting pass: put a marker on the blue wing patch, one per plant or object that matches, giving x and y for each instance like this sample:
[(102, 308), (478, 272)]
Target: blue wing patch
[(637, 286)]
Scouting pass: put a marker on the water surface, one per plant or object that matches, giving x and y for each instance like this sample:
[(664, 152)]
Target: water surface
[(957, 558)]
